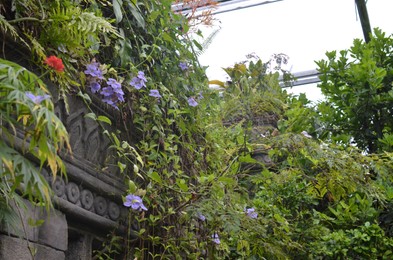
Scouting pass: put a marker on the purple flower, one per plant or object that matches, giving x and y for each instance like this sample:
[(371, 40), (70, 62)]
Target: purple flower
[(183, 66), (36, 99), (113, 83), (93, 69), (135, 202), (201, 217), (154, 93), (113, 93), (251, 213), (107, 92), (216, 239), (94, 86), (110, 102), (192, 102), (139, 81)]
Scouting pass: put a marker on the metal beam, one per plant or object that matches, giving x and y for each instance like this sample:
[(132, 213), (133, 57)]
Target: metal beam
[(236, 3), (302, 78), (364, 20)]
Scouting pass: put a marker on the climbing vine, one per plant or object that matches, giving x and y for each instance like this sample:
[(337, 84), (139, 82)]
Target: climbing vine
[(233, 173)]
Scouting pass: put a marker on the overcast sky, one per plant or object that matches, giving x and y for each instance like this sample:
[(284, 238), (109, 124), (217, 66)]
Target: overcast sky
[(302, 29)]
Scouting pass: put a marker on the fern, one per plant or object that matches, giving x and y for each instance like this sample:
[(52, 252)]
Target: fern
[(70, 27), (206, 43), (90, 23), (5, 27)]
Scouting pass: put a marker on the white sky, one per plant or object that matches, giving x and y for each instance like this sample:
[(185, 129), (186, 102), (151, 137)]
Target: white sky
[(302, 29)]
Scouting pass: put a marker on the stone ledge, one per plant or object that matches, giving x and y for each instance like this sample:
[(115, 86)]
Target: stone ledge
[(93, 220)]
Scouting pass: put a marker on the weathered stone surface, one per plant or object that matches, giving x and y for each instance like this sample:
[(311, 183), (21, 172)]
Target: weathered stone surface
[(54, 231), (22, 228), (80, 246), (18, 249)]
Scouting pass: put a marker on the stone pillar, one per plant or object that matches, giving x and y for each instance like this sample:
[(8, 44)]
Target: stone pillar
[(79, 246)]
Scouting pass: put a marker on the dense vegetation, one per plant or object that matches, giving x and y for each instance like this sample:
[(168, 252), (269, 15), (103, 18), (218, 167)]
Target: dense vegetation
[(245, 172)]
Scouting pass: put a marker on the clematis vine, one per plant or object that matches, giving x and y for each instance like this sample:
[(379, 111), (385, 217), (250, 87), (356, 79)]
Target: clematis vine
[(113, 93), (216, 239), (135, 202), (183, 66), (95, 76), (154, 93), (192, 102), (36, 99), (93, 69), (251, 213), (139, 81)]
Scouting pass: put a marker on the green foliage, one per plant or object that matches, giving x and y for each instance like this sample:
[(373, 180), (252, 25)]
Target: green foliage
[(27, 129), (196, 167), (358, 86)]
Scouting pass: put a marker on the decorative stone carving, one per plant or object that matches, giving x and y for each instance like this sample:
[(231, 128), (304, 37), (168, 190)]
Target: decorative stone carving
[(73, 193), (87, 199), (113, 211), (58, 187), (100, 205)]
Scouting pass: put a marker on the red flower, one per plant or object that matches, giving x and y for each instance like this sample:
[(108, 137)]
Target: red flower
[(55, 63)]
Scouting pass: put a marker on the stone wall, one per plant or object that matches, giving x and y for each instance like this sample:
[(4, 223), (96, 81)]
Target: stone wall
[(88, 203)]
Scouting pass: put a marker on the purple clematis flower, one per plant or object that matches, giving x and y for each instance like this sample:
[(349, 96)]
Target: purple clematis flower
[(113, 93), (94, 86), (154, 93), (107, 92), (37, 99), (93, 69), (201, 217), (251, 213), (135, 202), (139, 81), (192, 102), (183, 66), (216, 239)]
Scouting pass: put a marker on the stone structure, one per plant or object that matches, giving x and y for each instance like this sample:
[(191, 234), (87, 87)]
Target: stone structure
[(88, 203)]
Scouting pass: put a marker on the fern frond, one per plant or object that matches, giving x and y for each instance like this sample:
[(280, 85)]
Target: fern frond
[(36, 48), (91, 23), (72, 28), (5, 26), (206, 43)]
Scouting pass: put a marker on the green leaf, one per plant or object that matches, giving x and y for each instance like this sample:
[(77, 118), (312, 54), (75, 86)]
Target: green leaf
[(131, 187), (91, 116), (155, 177), (104, 119), (182, 184), (117, 4), (226, 180), (137, 14), (167, 37), (84, 96)]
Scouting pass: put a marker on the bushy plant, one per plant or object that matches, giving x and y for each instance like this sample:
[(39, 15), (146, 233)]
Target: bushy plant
[(357, 84)]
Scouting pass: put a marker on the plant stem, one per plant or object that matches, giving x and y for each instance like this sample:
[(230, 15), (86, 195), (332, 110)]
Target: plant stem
[(26, 19)]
